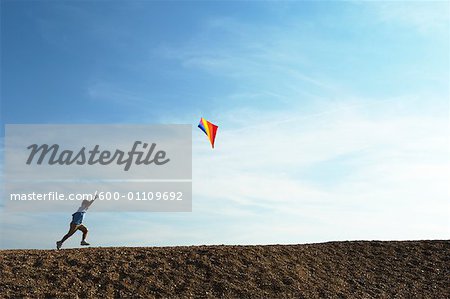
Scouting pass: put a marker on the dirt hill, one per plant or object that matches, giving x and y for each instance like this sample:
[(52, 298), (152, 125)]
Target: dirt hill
[(410, 269)]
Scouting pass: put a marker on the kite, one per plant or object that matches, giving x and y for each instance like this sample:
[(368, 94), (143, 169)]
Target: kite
[(209, 129)]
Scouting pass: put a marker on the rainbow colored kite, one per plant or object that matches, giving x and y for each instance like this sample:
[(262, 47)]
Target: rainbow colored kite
[(210, 130)]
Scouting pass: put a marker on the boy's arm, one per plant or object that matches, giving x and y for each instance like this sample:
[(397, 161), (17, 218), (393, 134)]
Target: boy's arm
[(92, 201)]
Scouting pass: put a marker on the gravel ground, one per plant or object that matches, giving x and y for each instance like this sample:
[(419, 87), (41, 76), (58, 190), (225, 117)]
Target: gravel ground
[(369, 269)]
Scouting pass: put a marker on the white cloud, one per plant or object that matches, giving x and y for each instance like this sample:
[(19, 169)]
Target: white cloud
[(108, 92), (396, 172), (425, 16)]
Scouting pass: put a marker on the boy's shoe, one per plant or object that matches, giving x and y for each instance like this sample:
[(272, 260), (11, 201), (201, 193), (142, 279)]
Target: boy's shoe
[(84, 243), (58, 245)]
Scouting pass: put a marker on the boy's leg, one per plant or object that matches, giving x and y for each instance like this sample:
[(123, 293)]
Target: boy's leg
[(73, 228), (85, 232)]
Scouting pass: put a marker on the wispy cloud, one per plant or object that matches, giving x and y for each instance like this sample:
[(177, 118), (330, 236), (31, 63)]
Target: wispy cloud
[(374, 163), (254, 57), (114, 94), (426, 17)]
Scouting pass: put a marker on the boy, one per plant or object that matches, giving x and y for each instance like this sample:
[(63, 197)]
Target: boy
[(76, 224)]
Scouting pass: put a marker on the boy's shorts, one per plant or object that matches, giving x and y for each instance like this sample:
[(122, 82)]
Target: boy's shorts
[(77, 218)]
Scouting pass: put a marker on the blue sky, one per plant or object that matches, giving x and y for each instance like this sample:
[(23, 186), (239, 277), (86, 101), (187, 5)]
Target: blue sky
[(333, 116)]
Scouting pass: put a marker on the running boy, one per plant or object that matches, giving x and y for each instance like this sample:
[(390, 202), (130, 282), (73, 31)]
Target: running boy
[(77, 223)]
